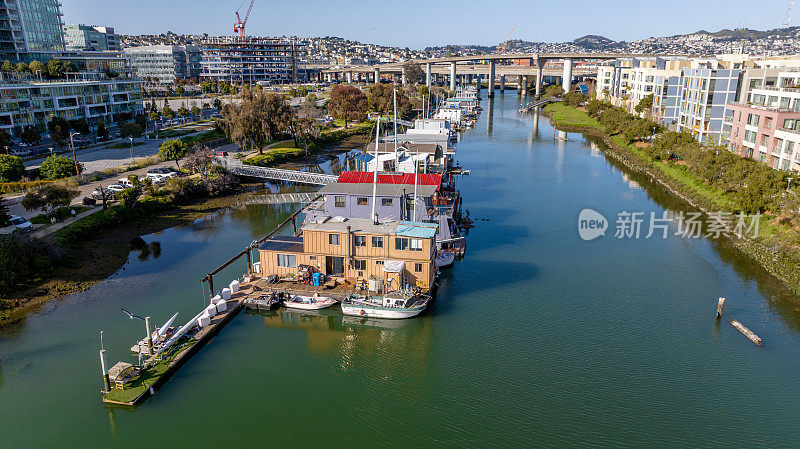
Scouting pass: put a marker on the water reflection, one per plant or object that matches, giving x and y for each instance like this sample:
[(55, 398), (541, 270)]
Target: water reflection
[(356, 343), (145, 249), (490, 116)]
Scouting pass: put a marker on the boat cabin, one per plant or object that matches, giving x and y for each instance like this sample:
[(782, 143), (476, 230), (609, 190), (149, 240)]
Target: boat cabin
[(398, 253)]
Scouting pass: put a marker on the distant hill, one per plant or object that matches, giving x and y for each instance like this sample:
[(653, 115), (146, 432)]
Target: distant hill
[(594, 41)]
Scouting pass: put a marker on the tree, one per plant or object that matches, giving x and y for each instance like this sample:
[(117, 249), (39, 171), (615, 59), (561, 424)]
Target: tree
[(56, 167), (48, 197), (131, 129), (59, 129), (413, 72), (130, 196), (380, 98), (645, 104), (79, 125), (183, 112), (154, 116), (7, 66), (172, 150), (102, 132), (30, 136), (4, 215), (574, 98), (168, 113), (37, 66), (5, 139), (311, 98), (347, 103), (56, 69), (11, 168), (181, 91), (195, 111), (553, 90), (20, 67), (217, 103), (258, 119)]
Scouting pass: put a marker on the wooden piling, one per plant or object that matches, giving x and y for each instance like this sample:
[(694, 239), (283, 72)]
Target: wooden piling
[(746, 332), (720, 305)]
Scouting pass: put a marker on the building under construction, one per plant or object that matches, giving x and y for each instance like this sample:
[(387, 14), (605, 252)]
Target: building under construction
[(250, 60)]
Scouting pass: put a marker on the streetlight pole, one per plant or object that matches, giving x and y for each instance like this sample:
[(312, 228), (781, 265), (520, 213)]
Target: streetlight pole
[(789, 183), (74, 157), (130, 150)]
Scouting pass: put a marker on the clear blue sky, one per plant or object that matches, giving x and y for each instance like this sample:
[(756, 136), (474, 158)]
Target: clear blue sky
[(433, 22)]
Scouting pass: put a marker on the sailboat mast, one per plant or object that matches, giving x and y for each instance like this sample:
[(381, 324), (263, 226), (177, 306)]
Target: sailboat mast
[(415, 186), (375, 171), (395, 128)]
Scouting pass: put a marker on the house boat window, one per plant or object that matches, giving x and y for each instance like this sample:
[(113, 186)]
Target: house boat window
[(360, 240), (333, 239), (401, 243), (338, 201), (377, 242), (361, 201), (287, 260), (416, 244)]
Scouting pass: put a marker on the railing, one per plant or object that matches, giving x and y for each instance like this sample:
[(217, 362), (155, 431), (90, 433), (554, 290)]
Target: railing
[(279, 174)]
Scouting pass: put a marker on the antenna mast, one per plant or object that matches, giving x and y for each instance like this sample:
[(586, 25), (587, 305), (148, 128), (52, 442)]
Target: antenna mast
[(788, 17)]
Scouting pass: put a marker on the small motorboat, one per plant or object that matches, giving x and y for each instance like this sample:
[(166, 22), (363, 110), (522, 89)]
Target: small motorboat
[(263, 302), (315, 302), (388, 306), (444, 259)]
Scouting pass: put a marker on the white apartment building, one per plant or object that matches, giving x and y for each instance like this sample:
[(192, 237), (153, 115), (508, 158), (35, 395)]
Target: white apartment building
[(165, 63), (705, 94)]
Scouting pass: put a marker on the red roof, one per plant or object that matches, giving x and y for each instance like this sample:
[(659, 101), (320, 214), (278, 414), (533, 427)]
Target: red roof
[(359, 177)]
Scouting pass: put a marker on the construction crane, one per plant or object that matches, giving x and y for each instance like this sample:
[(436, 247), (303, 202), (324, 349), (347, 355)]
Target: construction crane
[(788, 17), (502, 47), (238, 26)]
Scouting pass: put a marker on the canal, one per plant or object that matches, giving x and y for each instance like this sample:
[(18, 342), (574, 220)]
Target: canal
[(537, 337)]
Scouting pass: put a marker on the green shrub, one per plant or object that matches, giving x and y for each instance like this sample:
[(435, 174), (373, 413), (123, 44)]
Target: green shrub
[(57, 167), (10, 187)]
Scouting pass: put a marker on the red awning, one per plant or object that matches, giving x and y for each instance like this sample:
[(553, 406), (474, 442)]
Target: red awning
[(423, 179)]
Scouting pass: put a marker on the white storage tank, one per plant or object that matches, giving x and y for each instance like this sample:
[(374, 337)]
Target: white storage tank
[(216, 299), (257, 267), (226, 294), (235, 286), (204, 320), (222, 306), (211, 310)]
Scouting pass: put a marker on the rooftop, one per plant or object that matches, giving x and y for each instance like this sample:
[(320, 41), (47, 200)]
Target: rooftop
[(393, 190), (366, 226), (432, 179), (283, 243)]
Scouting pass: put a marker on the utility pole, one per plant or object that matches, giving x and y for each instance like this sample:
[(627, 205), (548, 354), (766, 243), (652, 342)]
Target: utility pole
[(74, 157)]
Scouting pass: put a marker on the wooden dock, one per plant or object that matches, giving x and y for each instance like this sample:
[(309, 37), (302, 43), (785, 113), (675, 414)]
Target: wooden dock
[(158, 374)]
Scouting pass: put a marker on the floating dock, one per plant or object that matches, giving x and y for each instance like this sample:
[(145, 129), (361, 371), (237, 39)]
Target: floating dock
[(158, 374)]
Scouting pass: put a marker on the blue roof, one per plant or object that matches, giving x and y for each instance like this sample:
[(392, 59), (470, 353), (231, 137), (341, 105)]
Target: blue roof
[(584, 89), (416, 229)]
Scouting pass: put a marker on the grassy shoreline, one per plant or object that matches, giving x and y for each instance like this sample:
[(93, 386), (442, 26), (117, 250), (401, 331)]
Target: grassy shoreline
[(783, 264)]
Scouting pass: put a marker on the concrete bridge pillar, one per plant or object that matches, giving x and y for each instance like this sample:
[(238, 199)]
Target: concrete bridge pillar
[(403, 77), (349, 77), (491, 79), (539, 70), (453, 75), (524, 86), (566, 79), (502, 83), (377, 75), (428, 74), (519, 85)]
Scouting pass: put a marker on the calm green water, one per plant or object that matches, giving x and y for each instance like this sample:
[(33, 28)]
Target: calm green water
[(537, 338)]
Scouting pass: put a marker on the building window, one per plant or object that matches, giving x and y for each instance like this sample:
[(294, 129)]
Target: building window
[(377, 242), (287, 260), (401, 243), (768, 122), (333, 239), (361, 201), (338, 201), (386, 201), (378, 262), (750, 136), (416, 244), (418, 268), (360, 264), (360, 240)]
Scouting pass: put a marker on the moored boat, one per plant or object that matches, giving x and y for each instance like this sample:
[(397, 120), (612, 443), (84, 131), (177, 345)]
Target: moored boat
[(444, 259), (263, 302), (387, 306), (315, 302)]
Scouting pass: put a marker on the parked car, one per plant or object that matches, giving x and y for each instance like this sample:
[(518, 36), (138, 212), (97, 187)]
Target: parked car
[(20, 223), (116, 188), (100, 191)]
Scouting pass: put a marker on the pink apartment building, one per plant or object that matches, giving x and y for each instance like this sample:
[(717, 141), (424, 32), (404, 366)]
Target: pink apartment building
[(759, 133)]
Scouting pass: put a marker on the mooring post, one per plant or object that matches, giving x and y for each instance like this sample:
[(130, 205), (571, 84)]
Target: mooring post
[(746, 332), (249, 261), (294, 226), (210, 286), (720, 305), (104, 369)]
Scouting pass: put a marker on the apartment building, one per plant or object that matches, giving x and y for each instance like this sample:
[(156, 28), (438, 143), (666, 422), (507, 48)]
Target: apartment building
[(249, 60), (164, 64), (705, 93), (92, 38), (33, 101), (760, 133), (30, 29)]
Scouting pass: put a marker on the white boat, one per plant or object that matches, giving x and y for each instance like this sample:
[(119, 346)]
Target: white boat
[(315, 302), (388, 306), (444, 259)]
